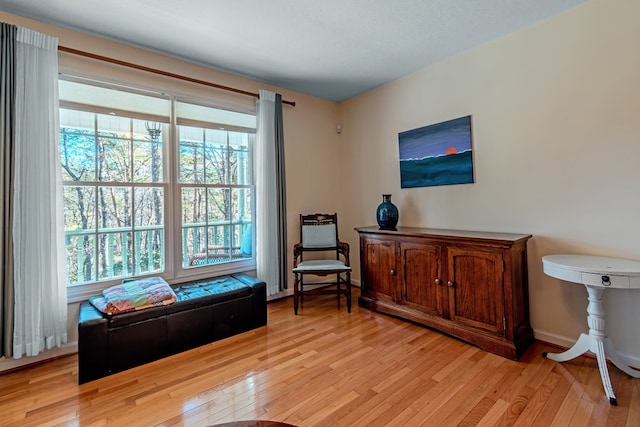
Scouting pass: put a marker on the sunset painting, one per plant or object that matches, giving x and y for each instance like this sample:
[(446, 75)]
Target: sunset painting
[(438, 154)]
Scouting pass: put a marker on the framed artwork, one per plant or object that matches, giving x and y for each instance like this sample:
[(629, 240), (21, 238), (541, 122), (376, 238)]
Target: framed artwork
[(438, 154)]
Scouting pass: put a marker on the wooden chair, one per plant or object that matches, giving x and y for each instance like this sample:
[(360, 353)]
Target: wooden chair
[(318, 234)]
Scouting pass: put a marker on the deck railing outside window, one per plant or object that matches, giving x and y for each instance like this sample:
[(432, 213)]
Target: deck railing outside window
[(130, 252)]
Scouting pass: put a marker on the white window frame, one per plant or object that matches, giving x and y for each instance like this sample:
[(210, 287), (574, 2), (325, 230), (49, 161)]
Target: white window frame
[(174, 271)]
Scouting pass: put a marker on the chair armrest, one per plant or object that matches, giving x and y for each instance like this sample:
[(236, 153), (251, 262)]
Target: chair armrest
[(297, 253), (343, 248), (298, 249)]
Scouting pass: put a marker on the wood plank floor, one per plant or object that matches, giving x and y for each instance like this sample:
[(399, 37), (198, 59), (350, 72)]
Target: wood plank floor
[(325, 367)]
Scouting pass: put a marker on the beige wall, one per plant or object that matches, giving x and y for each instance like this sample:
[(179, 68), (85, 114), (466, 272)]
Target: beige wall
[(556, 137)]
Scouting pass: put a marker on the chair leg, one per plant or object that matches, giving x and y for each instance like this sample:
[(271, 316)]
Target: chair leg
[(298, 290), (295, 294), (348, 292), (301, 289)]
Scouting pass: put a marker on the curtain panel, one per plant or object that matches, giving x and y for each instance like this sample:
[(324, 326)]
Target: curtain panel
[(7, 121), (271, 220), (32, 201)]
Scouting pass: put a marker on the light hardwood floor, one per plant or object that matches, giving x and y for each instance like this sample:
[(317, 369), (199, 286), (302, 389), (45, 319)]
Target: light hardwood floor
[(325, 367)]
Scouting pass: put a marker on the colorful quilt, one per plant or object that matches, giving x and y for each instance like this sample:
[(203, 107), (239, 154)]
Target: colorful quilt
[(134, 295)]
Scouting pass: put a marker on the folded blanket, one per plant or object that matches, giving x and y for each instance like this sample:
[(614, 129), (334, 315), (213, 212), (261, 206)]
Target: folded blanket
[(134, 295)]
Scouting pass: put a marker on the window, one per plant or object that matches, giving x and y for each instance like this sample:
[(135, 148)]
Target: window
[(215, 183), (112, 198), (145, 194), (216, 195)]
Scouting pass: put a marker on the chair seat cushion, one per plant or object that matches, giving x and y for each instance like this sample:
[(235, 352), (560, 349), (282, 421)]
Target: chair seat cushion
[(321, 265)]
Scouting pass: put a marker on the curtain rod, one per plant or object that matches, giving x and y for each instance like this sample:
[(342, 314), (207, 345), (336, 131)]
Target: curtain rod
[(160, 72)]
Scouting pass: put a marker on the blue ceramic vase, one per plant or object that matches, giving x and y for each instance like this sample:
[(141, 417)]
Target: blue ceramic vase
[(387, 213)]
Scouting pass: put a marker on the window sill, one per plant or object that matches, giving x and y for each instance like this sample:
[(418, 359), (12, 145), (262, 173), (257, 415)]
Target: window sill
[(84, 292)]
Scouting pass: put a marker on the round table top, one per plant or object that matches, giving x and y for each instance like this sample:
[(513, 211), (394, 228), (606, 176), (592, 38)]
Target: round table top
[(593, 264)]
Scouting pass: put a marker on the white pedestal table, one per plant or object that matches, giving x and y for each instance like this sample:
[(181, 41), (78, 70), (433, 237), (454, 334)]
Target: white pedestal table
[(596, 274)]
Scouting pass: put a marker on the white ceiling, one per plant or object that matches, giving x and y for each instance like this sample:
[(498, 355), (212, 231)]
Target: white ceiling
[(332, 49)]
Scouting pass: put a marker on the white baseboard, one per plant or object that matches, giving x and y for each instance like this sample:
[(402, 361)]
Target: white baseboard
[(289, 292), (65, 349), (558, 340)]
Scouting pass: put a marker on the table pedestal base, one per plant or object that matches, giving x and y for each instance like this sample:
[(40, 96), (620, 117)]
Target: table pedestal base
[(603, 349), (596, 342)]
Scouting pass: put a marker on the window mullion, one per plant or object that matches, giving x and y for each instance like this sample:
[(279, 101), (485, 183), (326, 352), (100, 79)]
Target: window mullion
[(172, 196), (96, 267)]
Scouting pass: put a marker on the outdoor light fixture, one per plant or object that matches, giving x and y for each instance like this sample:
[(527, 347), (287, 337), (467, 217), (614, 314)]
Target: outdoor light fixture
[(154, 129)]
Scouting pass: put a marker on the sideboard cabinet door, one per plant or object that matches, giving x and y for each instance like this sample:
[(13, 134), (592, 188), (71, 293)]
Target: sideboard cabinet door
[(379, 269), (476, 292), (420, 281)]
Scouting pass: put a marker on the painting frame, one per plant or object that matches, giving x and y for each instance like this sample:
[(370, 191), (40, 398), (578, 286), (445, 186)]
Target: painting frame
[(437, 154)]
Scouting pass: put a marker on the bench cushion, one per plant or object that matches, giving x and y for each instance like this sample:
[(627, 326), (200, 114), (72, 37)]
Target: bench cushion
[(207, 292), (188, 296)]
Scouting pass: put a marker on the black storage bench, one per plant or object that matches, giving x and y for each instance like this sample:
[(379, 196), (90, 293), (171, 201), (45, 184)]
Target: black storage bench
[(204, 311)]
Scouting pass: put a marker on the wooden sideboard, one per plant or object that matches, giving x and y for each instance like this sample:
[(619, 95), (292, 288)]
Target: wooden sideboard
[(469, 284)]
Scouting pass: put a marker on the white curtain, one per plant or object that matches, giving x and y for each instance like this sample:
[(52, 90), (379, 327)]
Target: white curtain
[(271, 240), (40, 320)]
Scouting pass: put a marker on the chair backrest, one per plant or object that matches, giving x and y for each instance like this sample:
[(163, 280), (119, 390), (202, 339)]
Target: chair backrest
[(319, 231)]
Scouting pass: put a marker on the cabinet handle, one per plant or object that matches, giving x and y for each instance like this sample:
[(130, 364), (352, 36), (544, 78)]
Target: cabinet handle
[(393, 272), (438, 282), (450, 284)]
